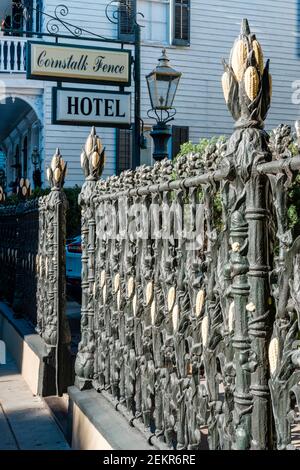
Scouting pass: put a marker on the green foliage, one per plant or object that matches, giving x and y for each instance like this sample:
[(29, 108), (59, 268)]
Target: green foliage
[(11, 200), (293, 149), (200, 147), (73, 214), (38, 192), (294, 207), (218, 211), (293, 195)]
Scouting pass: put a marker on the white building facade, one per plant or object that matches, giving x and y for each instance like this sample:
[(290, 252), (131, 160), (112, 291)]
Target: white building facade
[(196, 34)]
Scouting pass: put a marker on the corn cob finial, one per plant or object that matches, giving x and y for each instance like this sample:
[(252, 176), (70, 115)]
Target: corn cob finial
[(93, 156), (57, 171), (23, 190), (246, 82)]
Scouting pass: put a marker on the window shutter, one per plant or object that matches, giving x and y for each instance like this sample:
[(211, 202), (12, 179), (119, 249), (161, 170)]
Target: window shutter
[(127, 11), (124, 149), (39, 18), (181, 23), (180, 135)]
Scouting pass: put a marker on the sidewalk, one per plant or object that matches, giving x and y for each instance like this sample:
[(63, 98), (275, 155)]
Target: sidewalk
[(26, 422)]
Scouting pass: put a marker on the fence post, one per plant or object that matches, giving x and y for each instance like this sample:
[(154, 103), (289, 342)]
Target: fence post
[(56, 332), (23, 191), (247, 90), (92, 163)]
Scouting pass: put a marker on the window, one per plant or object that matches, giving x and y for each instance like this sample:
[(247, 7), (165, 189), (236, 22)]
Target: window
[(16, 23), (21, 16), (124, 149), (181, 22), (180, 135), (165, 21), (25, 156), (156, 20), (17, 165), (127, 11)]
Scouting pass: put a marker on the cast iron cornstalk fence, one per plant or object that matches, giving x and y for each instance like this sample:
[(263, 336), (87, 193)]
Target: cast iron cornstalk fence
[(190, 282), (32, 255)]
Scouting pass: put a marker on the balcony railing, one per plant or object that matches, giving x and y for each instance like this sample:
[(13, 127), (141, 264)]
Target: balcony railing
[(12, 54)]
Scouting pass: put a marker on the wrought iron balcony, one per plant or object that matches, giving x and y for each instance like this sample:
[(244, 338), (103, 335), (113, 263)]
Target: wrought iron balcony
[(12, 54)]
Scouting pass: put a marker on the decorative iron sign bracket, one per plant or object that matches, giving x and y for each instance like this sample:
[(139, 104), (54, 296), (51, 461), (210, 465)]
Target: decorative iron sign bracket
[(35, 23)]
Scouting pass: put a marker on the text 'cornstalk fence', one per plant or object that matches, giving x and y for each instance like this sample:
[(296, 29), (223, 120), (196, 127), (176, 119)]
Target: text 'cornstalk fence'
[(32, 276), (191, 327)]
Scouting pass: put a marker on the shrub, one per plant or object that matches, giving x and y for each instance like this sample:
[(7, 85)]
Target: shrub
[(189, 147), (293, 194), (73, 214)]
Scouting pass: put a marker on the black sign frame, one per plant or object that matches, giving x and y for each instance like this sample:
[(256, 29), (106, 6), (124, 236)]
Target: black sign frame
[(56, 121), (31, 76)]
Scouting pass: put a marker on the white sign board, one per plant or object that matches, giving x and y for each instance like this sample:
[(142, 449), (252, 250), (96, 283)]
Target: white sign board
[(81, 107), (70, 63)]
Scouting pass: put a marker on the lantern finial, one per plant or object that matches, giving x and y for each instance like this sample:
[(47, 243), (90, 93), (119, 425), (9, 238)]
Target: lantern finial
[(164, 59)]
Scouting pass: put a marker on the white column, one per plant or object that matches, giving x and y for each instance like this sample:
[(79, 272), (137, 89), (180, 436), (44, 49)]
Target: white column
[(8, 64), (22, 58), (15, 54)]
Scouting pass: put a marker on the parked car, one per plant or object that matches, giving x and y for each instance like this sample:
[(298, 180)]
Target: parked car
[(73, 261)]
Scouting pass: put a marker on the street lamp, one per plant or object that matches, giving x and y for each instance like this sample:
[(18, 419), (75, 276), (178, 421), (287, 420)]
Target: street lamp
[(162, 86), (36, 176)]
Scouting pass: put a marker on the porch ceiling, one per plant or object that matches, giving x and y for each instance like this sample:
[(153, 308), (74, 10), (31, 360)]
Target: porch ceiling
[(11, 113)]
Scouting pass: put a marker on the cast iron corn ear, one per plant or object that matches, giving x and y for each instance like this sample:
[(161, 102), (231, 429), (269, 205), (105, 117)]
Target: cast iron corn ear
[(95, 159), (258, 53), (270, 85), (239, 57), (251, 80), (226, 85)]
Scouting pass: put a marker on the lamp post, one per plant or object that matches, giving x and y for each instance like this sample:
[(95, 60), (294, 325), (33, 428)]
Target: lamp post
[(162, 86), (36, 176)]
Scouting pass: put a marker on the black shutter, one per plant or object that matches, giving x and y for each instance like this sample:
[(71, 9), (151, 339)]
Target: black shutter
[(181, 23), (180, 135), (127, 11), (39, 9), (124, 149)]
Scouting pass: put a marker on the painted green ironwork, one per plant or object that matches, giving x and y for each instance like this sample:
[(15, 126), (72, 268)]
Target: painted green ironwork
[(189, 338), (32, 276)]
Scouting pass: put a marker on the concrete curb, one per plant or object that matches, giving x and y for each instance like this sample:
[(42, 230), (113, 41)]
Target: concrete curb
[(94, 424), (28, 350)]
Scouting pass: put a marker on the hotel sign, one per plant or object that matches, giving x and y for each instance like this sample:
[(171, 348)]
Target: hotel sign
[(80, 107), (72, 63)]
